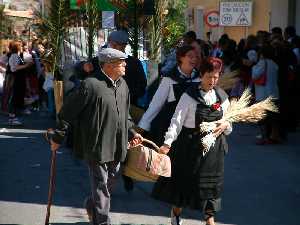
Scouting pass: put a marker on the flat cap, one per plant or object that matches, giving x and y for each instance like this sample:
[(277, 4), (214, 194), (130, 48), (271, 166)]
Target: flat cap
[(109, 55), (119, 36)]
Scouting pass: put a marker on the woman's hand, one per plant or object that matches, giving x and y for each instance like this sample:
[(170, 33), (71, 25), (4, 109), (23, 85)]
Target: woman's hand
[(136, 140), (164, 149), (221, 127)]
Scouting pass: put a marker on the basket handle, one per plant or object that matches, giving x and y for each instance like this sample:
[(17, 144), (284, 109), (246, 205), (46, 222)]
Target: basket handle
[(151, 143)]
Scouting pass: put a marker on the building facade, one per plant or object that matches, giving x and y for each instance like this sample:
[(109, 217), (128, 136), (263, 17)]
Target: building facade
[(266, 14)]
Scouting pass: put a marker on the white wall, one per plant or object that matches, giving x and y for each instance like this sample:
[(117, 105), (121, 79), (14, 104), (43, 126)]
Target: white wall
[(279, 13), (199, 22)]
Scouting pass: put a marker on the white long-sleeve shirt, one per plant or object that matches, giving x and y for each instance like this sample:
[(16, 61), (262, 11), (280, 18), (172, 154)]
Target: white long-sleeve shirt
[(185, 114), (271, 86), (14, 61), (163, 94)]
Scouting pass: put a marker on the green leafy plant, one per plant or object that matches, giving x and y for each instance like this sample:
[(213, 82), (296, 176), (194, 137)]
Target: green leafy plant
[(5, 26), (156, 27), (53, 27), (175, 25), (166, 26), (92, 14), (1, 25), (131, 18)]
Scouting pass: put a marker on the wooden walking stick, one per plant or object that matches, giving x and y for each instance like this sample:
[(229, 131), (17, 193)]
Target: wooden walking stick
[(58, 94), (51, 180)]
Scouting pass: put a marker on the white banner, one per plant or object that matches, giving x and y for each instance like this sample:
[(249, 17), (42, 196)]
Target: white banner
[(236, 13)]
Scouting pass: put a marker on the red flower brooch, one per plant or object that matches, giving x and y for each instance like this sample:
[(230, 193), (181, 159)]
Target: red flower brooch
[(216, 106)]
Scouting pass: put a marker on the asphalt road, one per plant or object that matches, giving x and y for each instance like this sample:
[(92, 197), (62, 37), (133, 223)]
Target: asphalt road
[(262, 183)]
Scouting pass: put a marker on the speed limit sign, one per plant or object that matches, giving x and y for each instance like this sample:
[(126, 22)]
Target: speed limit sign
[(212, 18)]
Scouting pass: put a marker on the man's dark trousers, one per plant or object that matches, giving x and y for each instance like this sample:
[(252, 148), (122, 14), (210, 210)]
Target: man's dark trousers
[(102, 177)]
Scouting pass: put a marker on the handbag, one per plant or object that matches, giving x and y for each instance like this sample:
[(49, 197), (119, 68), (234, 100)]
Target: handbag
[(146, 164), (262, 79)]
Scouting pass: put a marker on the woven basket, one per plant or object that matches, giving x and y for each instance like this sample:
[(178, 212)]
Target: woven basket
[(146, 164)]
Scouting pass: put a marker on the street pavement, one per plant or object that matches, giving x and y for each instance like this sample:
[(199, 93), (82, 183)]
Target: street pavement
[(262, 183)]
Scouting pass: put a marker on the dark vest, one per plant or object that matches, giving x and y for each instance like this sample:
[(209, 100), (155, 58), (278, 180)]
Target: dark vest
[(207, 172), (205, 113), (162, 121)]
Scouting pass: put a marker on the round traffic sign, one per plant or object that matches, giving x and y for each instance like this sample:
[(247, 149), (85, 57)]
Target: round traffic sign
[(212, 18)]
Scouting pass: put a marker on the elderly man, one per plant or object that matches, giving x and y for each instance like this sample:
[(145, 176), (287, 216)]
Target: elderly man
[(99, 113), (135, 78), (134, 73)]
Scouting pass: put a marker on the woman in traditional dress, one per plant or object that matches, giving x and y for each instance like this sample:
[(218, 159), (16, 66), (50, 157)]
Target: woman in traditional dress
[(197, 178), (159, 113), (265, 79)]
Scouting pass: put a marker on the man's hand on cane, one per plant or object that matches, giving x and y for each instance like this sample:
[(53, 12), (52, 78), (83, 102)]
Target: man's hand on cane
[(54, 146), (48, 135)]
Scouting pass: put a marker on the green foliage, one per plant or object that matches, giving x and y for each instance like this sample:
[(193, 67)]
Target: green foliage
[(156, 29), (166, 26), (2, 27), (175, 24), (92, 15), (53, 28), (133, 15), (5, 25)]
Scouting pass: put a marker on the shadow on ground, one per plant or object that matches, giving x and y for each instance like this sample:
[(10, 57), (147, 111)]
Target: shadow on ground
[(261, 182)]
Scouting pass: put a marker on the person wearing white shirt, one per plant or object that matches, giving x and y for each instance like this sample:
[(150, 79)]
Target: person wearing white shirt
[(159, 113), (249, 58), (162, 106), (197, 178), (267, 67), (18, 69)]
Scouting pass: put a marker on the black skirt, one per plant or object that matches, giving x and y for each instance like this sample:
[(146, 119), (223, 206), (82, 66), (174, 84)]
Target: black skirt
[(197, 180)]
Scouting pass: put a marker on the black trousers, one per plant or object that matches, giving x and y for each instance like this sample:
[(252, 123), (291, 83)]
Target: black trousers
[(18, 93)]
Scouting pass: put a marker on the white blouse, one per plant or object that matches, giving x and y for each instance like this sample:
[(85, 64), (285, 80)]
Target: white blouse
[(185, 114), (163, 94), (14, 61)]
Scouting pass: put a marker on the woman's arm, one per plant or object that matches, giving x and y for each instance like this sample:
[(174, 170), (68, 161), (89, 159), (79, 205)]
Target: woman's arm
[(14, 63), (177, 121), (158, 101), (225, 105)]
